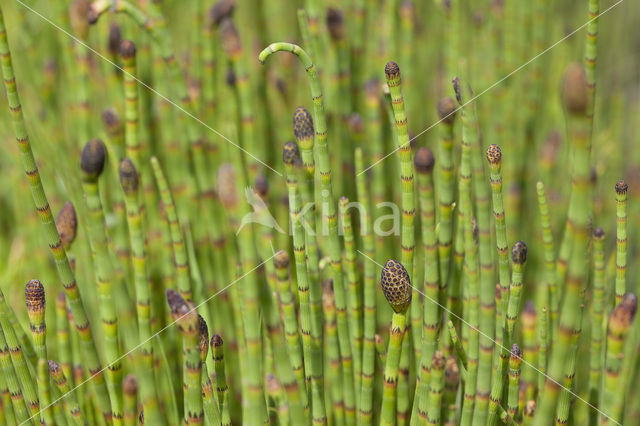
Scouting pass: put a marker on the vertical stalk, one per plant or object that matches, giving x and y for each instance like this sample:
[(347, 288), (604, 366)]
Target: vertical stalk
[(396, 286), (621, 239), (53, 239), (130, 180), (597, 321), (71, 404), (92, 164)]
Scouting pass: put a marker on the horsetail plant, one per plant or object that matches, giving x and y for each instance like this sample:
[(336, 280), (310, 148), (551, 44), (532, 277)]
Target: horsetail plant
[(210, 223), (291, 160), (621, 239), (396, 286), (222, 390), (35, 301), (44, 212), (92, 164), (130, 180), (74, 413), (620, 320)]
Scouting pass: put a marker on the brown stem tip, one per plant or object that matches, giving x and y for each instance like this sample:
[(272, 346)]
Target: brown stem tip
[(230, 38), (516, 352), (290, 153), (67, 224), (529, 315), (115, 38), (392, 71), (127, 49), (281, 259), (335, 24), (456, 89), (396, 285), (574, 89), (621, 187), (216, 341), (438, 360), (598, 233), (93, 158), (494, 154), (204, 337), (129, 178), (302, 124), (622, 315), (452, 371), (221, 10), (519, 253), (447, 110), (111, 120), (261, 186), (34, 296), (424, 160), (130, 385)]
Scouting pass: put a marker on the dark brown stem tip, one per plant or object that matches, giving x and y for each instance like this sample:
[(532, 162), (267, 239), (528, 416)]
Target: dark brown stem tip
[(80, 16), (129, 178), (598, 233), (530, 408), (67, 224), (281, 259), (216, 341), (110, 119), (452, 371), (130, 385), (516, 352), (447, 110), (175, 301), (519, 253), (141, 417), (204, 337), (261, 186), (574, 89), (456, 89), (54, 368), (622, 315), (115, 38), (302, 124), (335, 24), (424, 160), (290, 153), (34, 296), (621, 187), (392, 71), (127, 49), (93, 158), (396, 285), (92, 16), (221, 10), (328, 296), (230, 38), (438, 360), (494, 154), (529, 315)]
